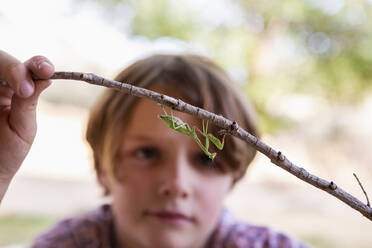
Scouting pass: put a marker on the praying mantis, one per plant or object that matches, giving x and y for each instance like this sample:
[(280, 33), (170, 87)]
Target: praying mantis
[(178, 125)]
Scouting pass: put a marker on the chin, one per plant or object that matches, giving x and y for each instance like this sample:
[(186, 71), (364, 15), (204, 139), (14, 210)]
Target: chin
[(168, 240)]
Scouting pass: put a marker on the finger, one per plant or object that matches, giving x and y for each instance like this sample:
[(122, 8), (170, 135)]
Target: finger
[(6, 94), (22, 116), (16, 75), (40, 66)]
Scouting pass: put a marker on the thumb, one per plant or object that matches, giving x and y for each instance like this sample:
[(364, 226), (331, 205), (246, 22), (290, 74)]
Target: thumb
[(22, 115)]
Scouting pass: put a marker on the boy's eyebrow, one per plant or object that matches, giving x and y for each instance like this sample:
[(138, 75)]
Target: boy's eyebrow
[(136, 137), (140, 137), (146, 138)]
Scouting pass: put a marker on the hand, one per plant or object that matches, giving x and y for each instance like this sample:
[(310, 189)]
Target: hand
[(18, 99)]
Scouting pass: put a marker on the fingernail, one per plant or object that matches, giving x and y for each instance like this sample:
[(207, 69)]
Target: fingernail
[(25, 89), (45, 64), (3, 82)]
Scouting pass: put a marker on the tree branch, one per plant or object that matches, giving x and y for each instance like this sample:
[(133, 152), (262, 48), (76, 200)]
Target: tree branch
[(231, 127), (361, 186)]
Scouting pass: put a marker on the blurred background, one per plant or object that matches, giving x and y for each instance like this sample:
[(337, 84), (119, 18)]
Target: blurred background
[(305, 64)]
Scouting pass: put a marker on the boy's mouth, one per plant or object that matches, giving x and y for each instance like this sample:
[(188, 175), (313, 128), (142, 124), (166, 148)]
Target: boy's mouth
[(174, 217)]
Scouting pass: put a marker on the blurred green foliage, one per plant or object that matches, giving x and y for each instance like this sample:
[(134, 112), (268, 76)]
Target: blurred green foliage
[(17, 229), (310, 47), (163, 18)]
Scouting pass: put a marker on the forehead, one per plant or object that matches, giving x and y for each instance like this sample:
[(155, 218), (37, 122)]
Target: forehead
[(144, 120)]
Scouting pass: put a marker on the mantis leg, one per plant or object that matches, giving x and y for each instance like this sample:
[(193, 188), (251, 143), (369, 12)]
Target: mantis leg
[(219, 144), (205, 129), (204, 148), (177, 125)]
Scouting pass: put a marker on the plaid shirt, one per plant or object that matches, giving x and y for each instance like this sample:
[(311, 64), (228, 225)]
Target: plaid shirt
[(95, 229)]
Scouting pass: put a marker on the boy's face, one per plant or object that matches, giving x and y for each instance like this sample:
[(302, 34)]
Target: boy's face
[(168, 195)]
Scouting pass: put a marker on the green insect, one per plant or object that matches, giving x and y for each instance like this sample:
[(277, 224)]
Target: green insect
[(208, 136), (178, 125)]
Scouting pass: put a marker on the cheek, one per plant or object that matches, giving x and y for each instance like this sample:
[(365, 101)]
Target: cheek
[(210, 199), (128, 203), (130, 194)]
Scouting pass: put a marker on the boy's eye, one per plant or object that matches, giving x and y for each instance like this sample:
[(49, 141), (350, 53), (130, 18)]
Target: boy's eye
[(146, 153), (204, 160), (207, 164)]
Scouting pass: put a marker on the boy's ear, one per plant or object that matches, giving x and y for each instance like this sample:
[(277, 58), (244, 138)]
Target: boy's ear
[(104, 182)]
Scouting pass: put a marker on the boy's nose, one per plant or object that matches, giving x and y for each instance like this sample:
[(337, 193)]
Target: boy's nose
[(174, 191), (176, 182)]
